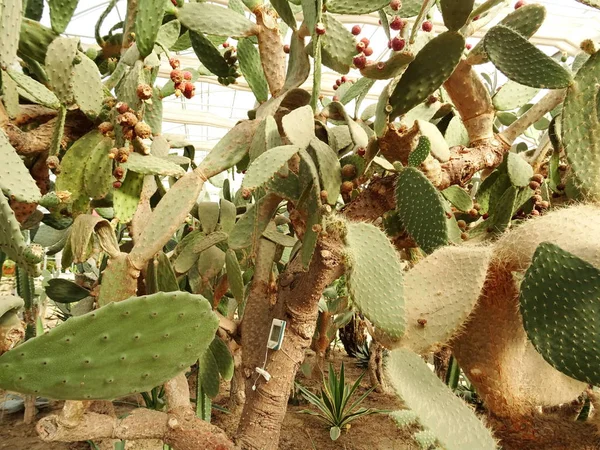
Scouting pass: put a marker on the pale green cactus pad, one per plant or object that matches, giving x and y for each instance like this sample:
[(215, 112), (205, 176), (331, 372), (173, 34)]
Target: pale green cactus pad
[(355, 7), (581, 130), (215, 20), (266, 165), (375, 279), (436, 308), (438, 409), (152, 165), (523, 62), (122, 348), (147, 24), (513, 95), (559, 290), (15, 180)]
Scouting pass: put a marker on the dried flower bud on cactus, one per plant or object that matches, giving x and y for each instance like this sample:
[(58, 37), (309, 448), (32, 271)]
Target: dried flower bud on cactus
[(142, 130), (176, 76), (127, 119), (105, 127), (122, 155), (395, 5), (53, 162), (356, 30), (427, 26), (122, 107), (286, 49), (144, 91), (117, 184), (187, 75), (320, 28), (118, 173), (174, 62), (347, 187), (112, 153)]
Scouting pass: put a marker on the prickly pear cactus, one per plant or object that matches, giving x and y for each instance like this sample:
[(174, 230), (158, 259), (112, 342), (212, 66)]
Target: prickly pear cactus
[(459, 212)]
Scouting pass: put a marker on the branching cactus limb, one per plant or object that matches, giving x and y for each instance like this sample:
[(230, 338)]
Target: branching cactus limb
[(472, 101), (299, 294)]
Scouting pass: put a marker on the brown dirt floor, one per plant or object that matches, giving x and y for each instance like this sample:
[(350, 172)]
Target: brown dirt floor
[(299, 431)]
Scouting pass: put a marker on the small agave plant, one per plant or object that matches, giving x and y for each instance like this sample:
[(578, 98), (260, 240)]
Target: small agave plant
[(336, 409)]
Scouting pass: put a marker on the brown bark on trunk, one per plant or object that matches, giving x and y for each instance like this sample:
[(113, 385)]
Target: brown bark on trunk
[(299, 293), (376, 373)]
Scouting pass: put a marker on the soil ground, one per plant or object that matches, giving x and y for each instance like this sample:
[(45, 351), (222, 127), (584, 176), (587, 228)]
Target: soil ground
[(299, 431)]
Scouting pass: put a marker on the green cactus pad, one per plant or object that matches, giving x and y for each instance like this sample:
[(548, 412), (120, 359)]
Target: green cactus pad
[(425, 439), (234, 276), (358, 89), (123, 348), (436, 310), (525, 20), (459, 198), (34, 91), (10, 24), (513, 95), (126, 90), (337, 42), (218, 21), (160, 276), (404, 417), (251, 68), (311, 202), (97, 177), (88, 91), (420, 153), (391, 68), (253, 222), (152, 165), (59, 67), (328, 165), (230, 149), (299, 126), (34, 40), (456, 133), (454, 424), (267, 165), (10, 303), (147, 24), (71, 176), (168, 34), (15, 180), (559, 290), (209, 55), (432, 66), (265, 138), (421, 210), (581, 130), (375, 279), (61, 12), (127, 197), (285, 12), (456, 13), (12, 242), (65, 291), (522, 61), (354, 7), (501, 207), (519, 170)]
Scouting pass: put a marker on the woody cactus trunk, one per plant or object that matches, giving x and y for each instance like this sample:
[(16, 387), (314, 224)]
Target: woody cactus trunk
[(445, 227)]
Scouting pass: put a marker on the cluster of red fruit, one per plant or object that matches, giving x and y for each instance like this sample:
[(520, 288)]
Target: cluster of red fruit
[(360, 61), (182, 79), (340, 81)]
